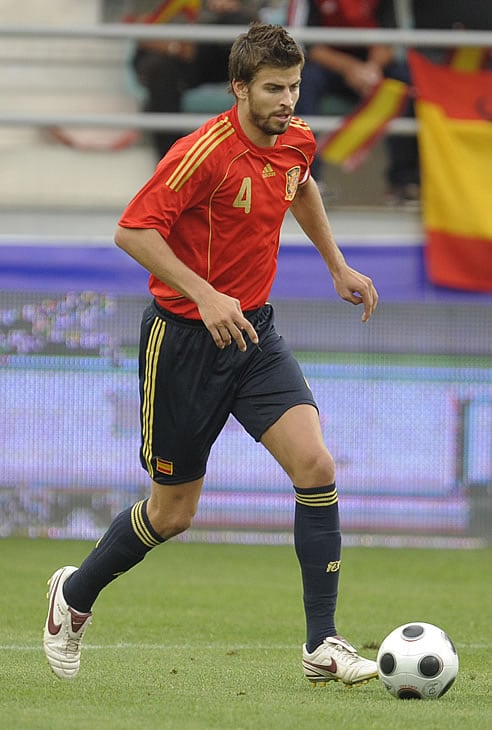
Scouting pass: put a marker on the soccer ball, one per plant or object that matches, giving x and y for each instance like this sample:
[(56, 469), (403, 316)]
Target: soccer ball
[(417, 661)]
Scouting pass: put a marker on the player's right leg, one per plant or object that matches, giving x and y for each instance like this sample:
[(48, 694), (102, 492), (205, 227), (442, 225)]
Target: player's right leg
[(296, 442), (277, 407)]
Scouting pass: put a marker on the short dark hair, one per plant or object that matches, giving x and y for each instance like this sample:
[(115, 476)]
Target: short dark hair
[(262, 45)]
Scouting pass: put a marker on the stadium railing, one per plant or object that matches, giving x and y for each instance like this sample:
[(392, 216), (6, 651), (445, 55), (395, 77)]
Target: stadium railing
[(401, 38)]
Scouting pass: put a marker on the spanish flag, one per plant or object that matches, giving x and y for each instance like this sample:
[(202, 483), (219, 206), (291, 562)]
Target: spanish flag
[(454, 111), (165, 11), (350, 143)]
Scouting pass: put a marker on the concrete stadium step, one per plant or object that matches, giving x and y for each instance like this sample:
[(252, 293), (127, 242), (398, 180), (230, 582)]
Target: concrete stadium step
[(56, 175)]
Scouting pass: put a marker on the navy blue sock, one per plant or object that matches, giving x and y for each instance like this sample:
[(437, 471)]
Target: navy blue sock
[(317, 542), (127, 541)]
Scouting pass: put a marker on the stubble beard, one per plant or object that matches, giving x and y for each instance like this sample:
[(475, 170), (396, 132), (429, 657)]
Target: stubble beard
[(269, 126)]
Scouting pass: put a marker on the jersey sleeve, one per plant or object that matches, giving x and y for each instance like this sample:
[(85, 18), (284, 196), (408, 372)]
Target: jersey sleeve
[(159, 203)]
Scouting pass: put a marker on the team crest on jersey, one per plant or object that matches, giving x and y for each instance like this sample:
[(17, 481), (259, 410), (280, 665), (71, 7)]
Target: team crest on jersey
[(291, 182)]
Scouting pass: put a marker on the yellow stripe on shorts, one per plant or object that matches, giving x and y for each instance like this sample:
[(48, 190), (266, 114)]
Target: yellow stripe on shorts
[(151, 361)]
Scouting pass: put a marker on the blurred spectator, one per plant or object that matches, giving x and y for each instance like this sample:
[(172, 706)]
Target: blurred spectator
[(167, 68), (72, 322), (354, 73), (457, 14), (274, 11), (453, 14)]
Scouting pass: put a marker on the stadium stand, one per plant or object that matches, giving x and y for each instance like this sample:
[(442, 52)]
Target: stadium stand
[(57, 75), (52, 194)]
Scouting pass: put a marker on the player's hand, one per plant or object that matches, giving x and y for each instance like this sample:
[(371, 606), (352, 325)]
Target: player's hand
[(357, 288), (362, 76), (222, 316)]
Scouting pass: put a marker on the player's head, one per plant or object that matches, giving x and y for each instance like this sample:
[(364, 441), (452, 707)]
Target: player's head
[(265, 76), (261, 46)]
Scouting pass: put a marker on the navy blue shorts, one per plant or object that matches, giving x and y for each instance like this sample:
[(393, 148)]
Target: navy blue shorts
[(189, 387)]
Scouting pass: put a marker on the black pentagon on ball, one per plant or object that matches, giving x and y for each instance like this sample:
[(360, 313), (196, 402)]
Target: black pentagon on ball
[(445, 689), (430, 666), (387, 663), (412, 631), (451, 644)]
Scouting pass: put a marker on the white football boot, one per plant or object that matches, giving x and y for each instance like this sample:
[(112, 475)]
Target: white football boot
[(335, 659), (64, 628)]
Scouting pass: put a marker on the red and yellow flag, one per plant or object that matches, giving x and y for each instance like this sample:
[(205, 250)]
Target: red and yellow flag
[(348, 145), (454, 111), (167, 10), (469, 58)]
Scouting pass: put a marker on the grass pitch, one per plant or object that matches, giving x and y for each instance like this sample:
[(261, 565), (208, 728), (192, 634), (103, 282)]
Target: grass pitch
[(208, 636)]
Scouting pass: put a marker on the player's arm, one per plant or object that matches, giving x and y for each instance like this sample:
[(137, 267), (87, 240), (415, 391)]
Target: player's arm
[(361, 76), (307, 208), (220, 313)]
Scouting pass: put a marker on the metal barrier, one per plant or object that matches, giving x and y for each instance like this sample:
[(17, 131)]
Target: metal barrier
[(222, 34), (152, 121), (227, 33)]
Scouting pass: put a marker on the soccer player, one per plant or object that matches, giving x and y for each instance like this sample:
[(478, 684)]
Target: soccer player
[(207, 227)]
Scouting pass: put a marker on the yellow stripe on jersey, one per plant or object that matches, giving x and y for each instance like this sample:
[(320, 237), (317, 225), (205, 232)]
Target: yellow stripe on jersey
[(140, 528), (199, 152), (151, 360), (308, 499), (299, 123)]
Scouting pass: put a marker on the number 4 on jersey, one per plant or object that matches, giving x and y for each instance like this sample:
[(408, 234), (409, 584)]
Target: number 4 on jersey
[(243, 198)]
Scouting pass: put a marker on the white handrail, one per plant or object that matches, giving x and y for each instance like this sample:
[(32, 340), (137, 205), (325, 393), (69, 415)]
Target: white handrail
[(152, 121), (227, 33), (223, 34)]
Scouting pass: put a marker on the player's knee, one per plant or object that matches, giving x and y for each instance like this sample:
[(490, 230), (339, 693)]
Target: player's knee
[(314, 470), (170, 519), (171, 509), (171, 525), (179, 524)]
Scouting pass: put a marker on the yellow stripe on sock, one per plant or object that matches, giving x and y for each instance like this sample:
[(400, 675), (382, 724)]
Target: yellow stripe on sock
[(140, 528), (317, 500)]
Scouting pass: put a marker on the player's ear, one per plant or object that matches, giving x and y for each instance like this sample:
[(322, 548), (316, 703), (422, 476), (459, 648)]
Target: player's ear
[(240, 89)]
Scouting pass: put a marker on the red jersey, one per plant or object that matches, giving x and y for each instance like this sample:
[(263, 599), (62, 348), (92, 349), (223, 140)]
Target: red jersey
[(219, 201), (336, 13)]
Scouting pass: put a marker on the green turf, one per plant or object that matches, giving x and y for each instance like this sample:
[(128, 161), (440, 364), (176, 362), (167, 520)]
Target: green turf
[(208, 636)]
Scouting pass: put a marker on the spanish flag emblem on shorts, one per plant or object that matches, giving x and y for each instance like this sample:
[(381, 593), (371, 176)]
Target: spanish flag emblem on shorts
[(454, 111), (163, 466)]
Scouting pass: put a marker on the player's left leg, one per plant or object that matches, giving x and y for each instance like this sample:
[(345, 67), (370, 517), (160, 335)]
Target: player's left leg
[(296, 442), (130, 537)]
